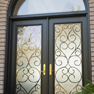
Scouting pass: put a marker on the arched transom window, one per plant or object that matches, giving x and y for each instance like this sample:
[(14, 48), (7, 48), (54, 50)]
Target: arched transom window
[(25, 7)]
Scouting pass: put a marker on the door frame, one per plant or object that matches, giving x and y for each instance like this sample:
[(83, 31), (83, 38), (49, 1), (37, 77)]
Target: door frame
[(50, 38), (11, 18)]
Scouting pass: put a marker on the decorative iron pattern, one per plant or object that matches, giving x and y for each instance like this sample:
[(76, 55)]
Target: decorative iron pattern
[(28, 65), (68, 58)]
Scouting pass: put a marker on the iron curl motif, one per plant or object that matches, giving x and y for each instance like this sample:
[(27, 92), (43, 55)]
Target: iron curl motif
[(68, 58), (28, 64)]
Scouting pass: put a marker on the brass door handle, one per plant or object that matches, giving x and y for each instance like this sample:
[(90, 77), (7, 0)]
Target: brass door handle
[(50, 69), (44, 69)]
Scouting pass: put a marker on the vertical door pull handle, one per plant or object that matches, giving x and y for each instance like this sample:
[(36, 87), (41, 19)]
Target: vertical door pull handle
[(50, 69), (44, 69)]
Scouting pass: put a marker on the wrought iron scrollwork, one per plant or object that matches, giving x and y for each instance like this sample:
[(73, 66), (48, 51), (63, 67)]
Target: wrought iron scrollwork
[(68, 58), (28, 65)]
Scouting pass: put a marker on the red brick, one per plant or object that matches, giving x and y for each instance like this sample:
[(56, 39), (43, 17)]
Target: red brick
[(1, 65), (2, 61), (3, 5), (91, 5)]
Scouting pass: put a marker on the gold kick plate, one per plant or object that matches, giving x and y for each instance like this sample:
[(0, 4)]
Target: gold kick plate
[(50, 69)]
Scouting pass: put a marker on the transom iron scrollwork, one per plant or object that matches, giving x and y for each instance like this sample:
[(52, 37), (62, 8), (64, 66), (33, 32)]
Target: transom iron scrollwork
[(68, 58), (28, 65)]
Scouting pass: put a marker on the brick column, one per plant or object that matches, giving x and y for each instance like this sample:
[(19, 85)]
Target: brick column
[(91, 5), (3, 15)]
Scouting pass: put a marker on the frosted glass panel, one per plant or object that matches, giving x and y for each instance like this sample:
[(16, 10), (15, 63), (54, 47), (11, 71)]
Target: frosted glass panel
[(25, 7), (68, 58), (28, 64)]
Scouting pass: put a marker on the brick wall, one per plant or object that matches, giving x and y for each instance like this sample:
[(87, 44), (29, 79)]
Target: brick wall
[(3, 13), (91, 5)]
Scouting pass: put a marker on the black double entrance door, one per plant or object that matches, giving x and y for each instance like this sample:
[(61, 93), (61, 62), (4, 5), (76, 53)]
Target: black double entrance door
[(47, 56)]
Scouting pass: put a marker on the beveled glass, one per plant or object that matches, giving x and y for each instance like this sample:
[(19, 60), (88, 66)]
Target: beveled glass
[(28, 63), (68, 58), (25, 7)]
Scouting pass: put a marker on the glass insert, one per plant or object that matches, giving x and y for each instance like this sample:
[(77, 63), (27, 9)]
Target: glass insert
[(68, 58), (28, 64), (25, 7)]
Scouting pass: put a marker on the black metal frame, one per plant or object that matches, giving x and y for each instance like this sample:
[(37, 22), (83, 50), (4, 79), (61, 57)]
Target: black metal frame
[(11, 18)]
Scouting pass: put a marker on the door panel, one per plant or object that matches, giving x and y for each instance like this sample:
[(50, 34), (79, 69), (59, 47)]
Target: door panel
[(68, 58), (67, 55), (29, 57)]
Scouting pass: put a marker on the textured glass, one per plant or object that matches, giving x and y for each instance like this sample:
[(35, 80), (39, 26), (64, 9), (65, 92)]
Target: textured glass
[(25, 7), (68, 58), (28, 65)]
